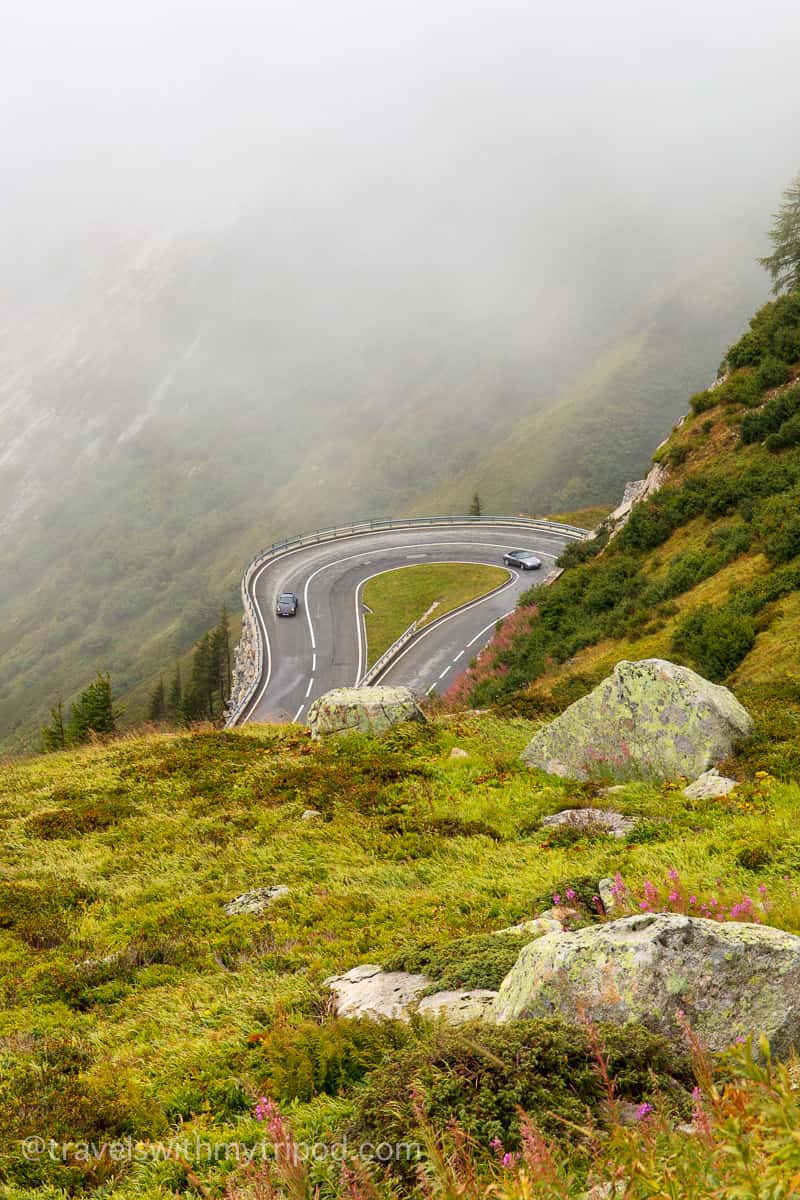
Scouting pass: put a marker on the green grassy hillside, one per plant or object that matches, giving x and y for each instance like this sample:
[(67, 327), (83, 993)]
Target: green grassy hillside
[(134, 1007), (707, 571)]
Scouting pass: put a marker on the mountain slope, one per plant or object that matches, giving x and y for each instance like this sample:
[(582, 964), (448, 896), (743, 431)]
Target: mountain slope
[(182, 404), (706, 571)]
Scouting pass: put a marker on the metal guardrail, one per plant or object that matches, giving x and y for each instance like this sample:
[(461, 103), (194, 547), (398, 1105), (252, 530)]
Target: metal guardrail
[(391, 652), (353, 530)]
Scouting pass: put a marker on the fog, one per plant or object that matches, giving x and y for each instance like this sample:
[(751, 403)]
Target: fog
[(270, 265), (480, 147)]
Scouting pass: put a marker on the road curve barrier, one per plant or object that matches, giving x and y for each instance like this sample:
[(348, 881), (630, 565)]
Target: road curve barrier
[(249, 660)]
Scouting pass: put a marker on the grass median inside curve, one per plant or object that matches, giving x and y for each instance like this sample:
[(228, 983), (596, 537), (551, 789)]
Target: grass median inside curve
[(421, 593)]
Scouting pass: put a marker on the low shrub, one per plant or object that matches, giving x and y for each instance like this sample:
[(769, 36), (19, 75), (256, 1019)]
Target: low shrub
[(772, 373), (480, 961), (740, 388), (300, 1061), (42, 913), (703, 401), (484, 1077), (714, 639), (757, 426), (788, 435), (777, 521), (774, 333), (63, 1089)]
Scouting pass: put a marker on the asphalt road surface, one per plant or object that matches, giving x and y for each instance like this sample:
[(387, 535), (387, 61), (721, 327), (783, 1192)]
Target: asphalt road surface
[(324, 646)]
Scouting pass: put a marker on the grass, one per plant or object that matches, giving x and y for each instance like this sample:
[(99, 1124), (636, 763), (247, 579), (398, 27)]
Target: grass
[(123, 978), (421, 593), (584, 518)]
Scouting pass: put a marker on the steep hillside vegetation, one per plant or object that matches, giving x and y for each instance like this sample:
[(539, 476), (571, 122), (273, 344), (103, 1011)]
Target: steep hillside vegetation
[(134, 1007), (707, 571)]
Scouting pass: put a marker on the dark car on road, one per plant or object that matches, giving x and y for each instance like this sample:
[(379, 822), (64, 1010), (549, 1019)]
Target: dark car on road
[(526, 560), (287, 604)]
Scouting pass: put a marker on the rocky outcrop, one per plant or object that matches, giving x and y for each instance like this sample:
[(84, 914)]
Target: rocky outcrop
[(591, 820), (256, 902), (362, 710), (634, 493), (649, 720), (246, 667), (730, 979), (369, 991), (458, 1007)]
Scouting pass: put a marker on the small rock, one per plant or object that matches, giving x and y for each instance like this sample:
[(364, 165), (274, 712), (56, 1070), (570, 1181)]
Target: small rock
[(593, 820), (457, 752), (709, 785), (369, 991), (561, 915), (458, 1007), (255, 902), (310, 814), (605, 890)]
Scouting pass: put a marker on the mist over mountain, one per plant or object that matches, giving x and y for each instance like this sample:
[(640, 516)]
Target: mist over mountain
[(266, 269)]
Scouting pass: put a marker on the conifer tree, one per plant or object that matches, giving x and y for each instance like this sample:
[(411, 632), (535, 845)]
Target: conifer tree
[(175, 698), (475, 508), (784, 262), (93, 711), (221, 656), (54, 735), (157, 707)]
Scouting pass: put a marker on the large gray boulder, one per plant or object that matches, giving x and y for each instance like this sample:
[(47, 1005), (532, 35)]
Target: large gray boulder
[(650, 719), (362, 710), (730, 979)]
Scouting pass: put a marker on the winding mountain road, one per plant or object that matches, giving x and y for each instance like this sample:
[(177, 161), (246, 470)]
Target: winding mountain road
[(324, 646)]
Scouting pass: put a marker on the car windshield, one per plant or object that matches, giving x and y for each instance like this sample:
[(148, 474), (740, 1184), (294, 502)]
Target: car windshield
[(286, 598), (522, 553)]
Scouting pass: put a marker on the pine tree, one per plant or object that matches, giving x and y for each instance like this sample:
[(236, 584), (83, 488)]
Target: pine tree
[(93, 711), (221, 658), (784, 262), (198, 699), (157, 707), (54, 735), (475, 508), (175, 698)]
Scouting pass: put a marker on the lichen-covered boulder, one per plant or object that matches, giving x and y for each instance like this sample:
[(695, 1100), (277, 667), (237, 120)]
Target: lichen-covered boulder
[(362, 710), (730, 979), (458, 1007), (650, 719)]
